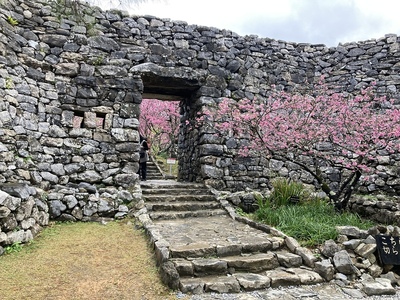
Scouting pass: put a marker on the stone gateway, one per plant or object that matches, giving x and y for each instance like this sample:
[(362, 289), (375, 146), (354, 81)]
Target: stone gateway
[(71, 87)]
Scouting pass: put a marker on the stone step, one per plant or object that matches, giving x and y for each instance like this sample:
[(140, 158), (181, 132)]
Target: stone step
[(237, 282), (176, 191), (177, 198), (153, 172), (154, 177), (168, 215), (172, 184), (224, 249), (251, 262), (182, 205)]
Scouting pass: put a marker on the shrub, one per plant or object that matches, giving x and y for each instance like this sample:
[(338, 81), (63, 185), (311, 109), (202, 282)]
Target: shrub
[(286, 191)]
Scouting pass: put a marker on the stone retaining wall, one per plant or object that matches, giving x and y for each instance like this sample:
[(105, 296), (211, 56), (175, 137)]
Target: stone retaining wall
[(380, 208)]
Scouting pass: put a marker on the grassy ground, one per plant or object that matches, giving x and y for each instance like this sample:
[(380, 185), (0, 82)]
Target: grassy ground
[(83, 261)]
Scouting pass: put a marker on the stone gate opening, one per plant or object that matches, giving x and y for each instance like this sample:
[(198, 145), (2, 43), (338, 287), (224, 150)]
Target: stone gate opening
[(176, 84)]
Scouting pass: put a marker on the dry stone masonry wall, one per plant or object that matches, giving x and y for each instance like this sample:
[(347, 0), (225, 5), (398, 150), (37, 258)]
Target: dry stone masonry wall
[(71, 88)]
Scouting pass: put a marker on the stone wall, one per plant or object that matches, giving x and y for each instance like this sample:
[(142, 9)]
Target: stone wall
[(71, 88), (23, 213)]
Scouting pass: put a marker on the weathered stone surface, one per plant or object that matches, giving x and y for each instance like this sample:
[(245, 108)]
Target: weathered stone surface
[(192, 285), (169, 275), (253, 263), (4, 212), (282, 278), (329, 248), (325, 269), (192, 250), (365, 250), (292, 243), (56, 207), (351, 231), (249, 281), (308, 257), (307, 276), (343, 263), (379, 286), (289, 259), (183, 267), (221, 285), (210, 266)]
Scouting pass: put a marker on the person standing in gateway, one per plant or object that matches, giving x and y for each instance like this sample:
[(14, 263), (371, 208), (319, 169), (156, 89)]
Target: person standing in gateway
[(144, 157)]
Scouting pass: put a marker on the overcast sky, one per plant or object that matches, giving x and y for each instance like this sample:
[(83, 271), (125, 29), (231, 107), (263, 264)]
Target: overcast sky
[(328, 22)]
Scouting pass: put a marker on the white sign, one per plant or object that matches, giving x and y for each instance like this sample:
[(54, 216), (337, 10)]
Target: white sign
[(171, 161)]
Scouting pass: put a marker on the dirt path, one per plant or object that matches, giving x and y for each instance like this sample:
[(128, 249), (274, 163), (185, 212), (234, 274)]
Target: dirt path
[(83, 261)]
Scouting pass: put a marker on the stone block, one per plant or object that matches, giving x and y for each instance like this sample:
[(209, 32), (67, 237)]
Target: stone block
[(325, 269), (365, 250), (379, 286), (251, 281), (308, 257), (209, 266), (292, 243), (221, 285), (289, 260), (343, 263)]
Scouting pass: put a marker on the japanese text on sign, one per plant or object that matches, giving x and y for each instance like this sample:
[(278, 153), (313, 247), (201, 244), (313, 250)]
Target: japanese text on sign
[(388, 249)]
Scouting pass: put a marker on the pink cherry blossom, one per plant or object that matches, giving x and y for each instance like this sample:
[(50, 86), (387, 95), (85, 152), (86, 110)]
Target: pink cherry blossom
[(159, 122), (332, 129)]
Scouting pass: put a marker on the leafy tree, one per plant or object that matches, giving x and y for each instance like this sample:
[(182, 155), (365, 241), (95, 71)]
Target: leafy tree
[(327, 130), (159, 122)]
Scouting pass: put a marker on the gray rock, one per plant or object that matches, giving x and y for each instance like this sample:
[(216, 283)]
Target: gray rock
[(379, 286), (4, 212), (18, 190), (249, 281), (329, 248), (223, 285), (350, 231), (209, 266), (343, 263), (325, 269), (289, 260), (56, 207), (292, 243), (365, 250), (308, 257)]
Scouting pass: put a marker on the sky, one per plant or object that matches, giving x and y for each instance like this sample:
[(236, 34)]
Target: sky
[(328, 22)]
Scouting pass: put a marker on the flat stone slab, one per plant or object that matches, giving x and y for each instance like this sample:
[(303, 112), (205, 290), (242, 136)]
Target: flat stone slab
[(210, 284), (253, 263), (293, 276), (212, 232), (251, 281)]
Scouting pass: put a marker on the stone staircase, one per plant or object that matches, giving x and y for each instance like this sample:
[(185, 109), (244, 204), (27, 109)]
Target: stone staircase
[(202, 246), (153, 171), (174, 200)]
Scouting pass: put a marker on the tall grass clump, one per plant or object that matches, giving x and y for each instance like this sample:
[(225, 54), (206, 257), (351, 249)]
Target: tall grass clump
[(286, 191), (310, 221)]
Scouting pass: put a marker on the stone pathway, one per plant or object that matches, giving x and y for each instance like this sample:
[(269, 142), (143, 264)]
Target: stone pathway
[(202, 251)]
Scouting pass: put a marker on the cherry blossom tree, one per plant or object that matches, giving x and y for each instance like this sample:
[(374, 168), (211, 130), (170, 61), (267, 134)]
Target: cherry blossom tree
[(315, 132), (159, 122)]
